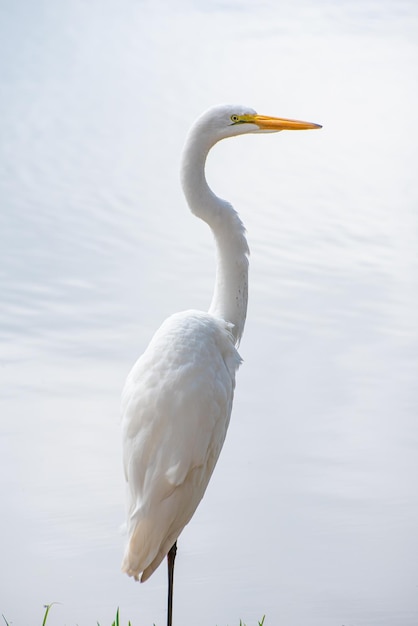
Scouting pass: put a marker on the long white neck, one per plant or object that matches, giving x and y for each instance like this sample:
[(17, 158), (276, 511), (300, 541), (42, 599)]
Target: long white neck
[(230, 296)]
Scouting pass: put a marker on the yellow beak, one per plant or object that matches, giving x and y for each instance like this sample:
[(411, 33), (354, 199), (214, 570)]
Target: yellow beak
[(281, 123)]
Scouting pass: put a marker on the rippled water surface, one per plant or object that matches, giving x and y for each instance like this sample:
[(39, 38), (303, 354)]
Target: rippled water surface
[(312, 514)]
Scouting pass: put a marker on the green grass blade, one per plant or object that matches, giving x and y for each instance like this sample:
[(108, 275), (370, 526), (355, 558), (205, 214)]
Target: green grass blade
[(47, 607)]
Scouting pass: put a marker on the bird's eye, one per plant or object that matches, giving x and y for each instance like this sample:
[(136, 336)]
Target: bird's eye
[(234, 118)]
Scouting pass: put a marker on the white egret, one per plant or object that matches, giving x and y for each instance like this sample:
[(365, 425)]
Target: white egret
[(177, 399)]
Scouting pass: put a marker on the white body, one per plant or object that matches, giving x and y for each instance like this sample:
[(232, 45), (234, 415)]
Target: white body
[(176, 405)]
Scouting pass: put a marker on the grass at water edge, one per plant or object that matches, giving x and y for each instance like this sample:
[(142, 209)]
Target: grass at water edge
[(115, 622)]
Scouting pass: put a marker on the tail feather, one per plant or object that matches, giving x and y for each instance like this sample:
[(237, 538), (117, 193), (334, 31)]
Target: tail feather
[(162, 552), (141, 549), (145, 551)]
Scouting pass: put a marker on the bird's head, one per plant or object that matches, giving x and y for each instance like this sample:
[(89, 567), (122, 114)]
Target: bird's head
[(228, 120)]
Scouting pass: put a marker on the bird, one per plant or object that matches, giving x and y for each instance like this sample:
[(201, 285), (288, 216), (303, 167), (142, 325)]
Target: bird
[(177, 399)]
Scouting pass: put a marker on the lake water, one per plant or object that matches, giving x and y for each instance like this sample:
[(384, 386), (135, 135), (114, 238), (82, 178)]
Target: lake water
[(311, 516)]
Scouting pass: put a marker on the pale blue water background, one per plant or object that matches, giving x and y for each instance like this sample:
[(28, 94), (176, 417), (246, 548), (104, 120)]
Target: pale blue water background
[(312, 514)]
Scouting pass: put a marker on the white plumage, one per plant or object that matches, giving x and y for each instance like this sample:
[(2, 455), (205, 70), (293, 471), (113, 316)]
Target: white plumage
[(176, 405), (178, 397)]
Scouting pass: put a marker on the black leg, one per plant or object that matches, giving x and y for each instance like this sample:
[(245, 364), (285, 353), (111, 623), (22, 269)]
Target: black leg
[(170, 562)]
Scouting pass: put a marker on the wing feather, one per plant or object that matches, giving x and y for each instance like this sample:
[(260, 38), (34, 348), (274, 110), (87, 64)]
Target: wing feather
[(176, 407)]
